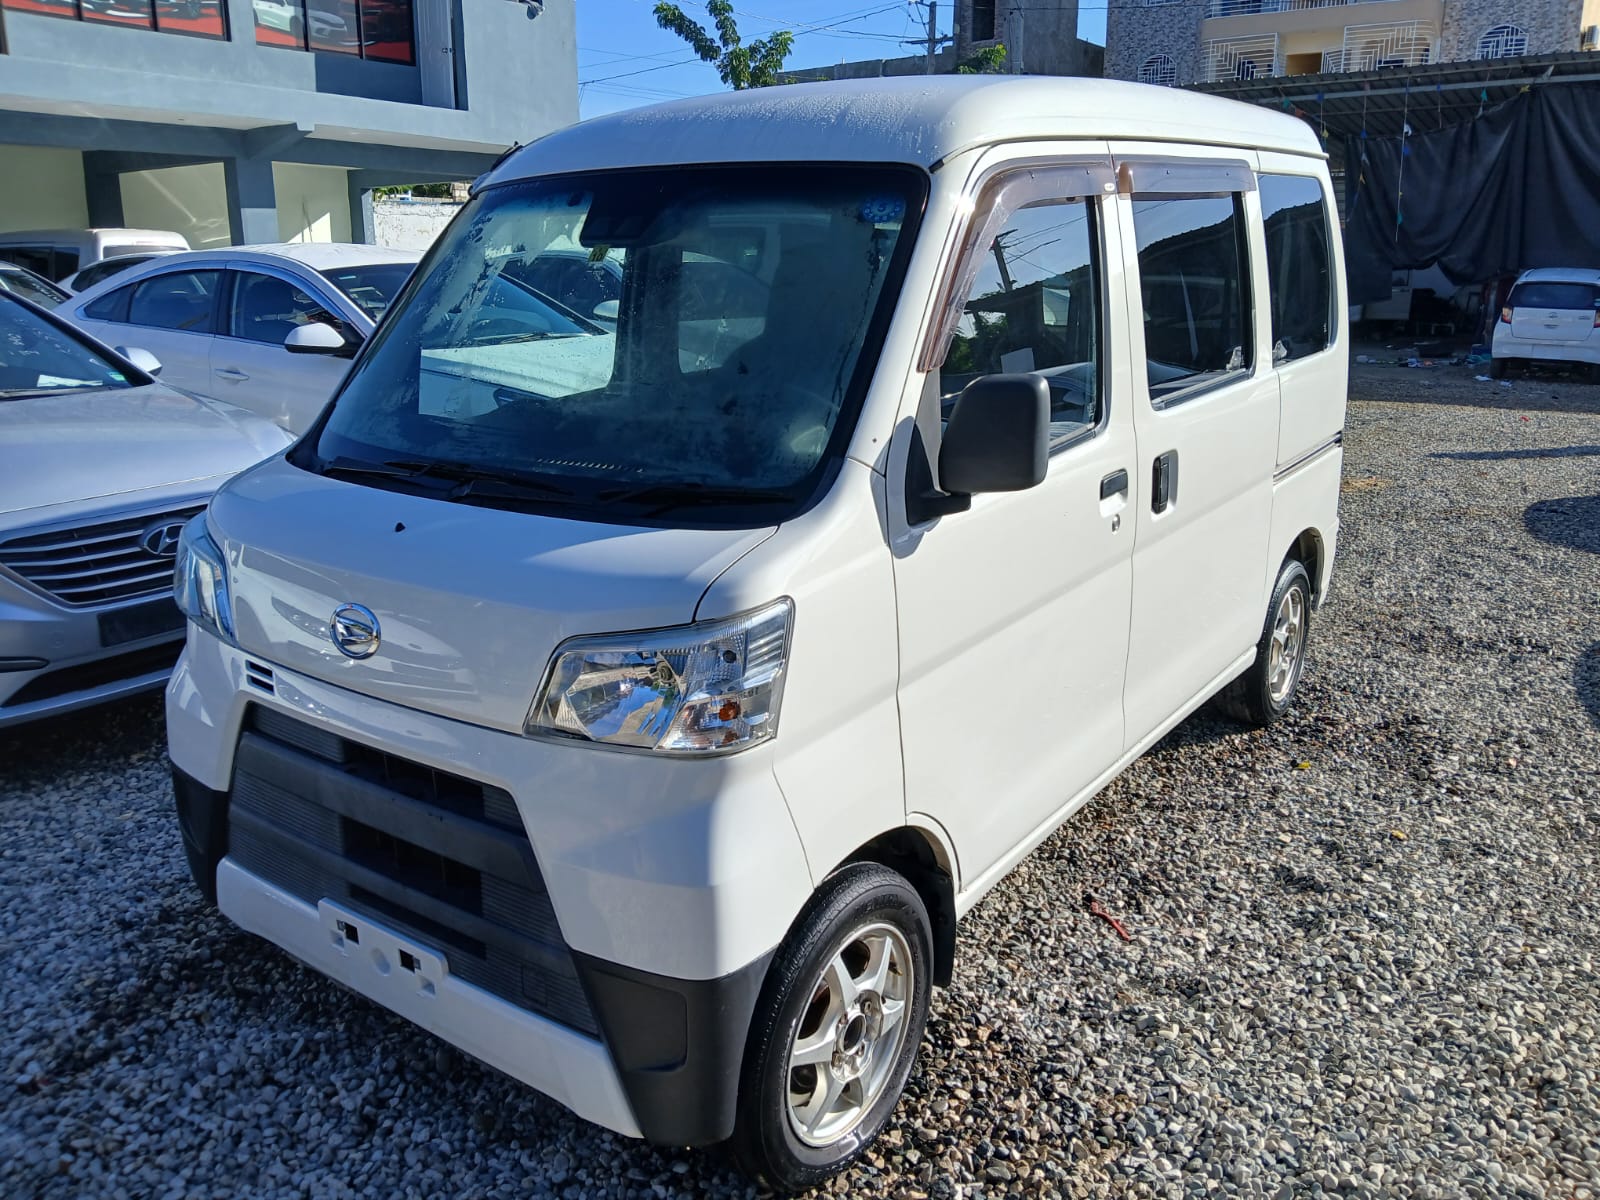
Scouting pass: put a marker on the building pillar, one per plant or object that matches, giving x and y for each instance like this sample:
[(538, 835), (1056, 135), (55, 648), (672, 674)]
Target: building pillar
[(362, 227), (252, 201), (102, 190)]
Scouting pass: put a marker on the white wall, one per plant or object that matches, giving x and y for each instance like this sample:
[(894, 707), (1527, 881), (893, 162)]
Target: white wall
[(41, 188), (313, 203), (191, 200), (410, 224)]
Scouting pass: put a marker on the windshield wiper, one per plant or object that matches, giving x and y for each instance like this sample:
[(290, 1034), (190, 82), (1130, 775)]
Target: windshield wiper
[(463, 480), (666, 496)]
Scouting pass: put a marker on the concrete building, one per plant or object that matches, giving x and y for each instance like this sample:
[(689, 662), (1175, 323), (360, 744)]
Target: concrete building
[(1040, 38), (1180, 42), (236, 121)]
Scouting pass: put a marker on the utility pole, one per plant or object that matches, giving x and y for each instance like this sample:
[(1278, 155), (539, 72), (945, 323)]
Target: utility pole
[(933, 41)]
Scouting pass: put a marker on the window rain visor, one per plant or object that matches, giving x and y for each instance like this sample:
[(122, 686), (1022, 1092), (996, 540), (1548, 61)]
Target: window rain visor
[(632, 344)]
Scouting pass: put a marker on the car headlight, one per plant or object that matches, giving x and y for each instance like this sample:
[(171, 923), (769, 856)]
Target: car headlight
[(708, 688), (200, 581)]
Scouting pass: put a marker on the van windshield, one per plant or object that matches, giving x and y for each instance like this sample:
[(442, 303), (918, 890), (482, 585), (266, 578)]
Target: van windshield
[(633, 344)]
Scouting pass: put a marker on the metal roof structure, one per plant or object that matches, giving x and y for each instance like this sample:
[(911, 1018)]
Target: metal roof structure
[(1428, 97)]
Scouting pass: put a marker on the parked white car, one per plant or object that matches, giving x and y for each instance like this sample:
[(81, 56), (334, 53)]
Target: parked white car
[(100, 466), (1551, 315), (640, 709), (268, 328)]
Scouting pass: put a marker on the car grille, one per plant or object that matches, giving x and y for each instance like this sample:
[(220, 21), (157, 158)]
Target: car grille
[(434, 856), (95, 564)]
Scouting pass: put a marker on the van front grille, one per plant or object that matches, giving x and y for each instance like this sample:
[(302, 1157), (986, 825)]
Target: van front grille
[(433, 855), (100, 563)]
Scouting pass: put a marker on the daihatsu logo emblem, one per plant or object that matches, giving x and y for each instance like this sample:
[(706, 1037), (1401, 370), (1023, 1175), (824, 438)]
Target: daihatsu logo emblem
[(355, 631), (161, 540)]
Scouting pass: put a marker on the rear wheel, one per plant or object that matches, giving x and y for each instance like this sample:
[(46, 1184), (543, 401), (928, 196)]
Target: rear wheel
[(1264, 692), (836, 1029), (1497, 368)]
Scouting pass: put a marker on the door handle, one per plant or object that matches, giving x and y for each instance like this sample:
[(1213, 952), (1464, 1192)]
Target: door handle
[(232, 373), (1164, 481), (1114, 484)]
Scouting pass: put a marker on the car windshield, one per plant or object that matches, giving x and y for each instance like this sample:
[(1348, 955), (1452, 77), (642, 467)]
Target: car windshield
[(725, 376), (373, 287), (32, 287), (37, 358)]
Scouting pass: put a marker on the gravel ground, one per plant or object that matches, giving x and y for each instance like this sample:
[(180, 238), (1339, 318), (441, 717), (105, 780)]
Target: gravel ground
[(1363, 955)]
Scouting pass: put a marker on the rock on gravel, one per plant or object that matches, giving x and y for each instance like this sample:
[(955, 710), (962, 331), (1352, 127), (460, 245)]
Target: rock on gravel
[(1363, 955)]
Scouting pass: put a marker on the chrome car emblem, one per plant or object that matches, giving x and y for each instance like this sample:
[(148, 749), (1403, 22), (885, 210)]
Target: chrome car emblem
[(161, 539), (355, 631)]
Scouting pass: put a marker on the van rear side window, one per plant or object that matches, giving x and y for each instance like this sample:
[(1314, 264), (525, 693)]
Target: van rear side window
[(1195, 291), (1298, 265)]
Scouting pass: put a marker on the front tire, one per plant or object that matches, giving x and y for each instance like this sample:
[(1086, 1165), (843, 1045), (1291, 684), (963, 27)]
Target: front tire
[(836, 1029), (1264, 692)]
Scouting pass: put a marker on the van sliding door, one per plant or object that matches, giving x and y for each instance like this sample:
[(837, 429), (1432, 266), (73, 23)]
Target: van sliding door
[(1205, 408)]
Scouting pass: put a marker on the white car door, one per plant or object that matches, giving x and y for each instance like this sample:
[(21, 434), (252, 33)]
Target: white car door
[(172, 315), (1014, 615), (249, 365), (1206, 410)]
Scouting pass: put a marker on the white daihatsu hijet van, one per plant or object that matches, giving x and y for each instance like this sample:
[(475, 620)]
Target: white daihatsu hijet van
[(638, 703)]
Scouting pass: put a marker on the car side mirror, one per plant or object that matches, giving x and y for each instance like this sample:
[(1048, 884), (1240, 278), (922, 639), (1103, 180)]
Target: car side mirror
[(314, 337), (996, 440), (998, 436), (141, 358), (607, 310)]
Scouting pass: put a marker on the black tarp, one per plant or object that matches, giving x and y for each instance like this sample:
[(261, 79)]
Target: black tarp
[(1518, 187)]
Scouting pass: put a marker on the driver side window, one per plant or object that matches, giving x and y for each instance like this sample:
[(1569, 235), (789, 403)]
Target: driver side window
[(1034, 308)]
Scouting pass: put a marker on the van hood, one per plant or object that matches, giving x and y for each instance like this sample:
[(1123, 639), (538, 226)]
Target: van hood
[(91, 444), (470, 601)]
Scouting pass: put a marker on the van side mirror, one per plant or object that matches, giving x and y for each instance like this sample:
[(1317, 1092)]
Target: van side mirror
[(141, 358), (314, 337), (996, 440)]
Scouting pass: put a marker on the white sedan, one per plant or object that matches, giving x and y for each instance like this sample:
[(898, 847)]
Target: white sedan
[(268, 328)]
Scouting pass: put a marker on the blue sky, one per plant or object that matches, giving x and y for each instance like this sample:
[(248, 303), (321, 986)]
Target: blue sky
[(624, 60)]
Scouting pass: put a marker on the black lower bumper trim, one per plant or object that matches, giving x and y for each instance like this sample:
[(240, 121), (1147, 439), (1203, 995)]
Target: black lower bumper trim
[(677, 1043), (203, 820)]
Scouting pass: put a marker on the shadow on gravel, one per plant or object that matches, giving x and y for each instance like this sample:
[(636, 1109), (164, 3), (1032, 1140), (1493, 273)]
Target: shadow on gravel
[(1463, 391), (106, 733), (1573, 522), (1498, 455), (1586, 678)]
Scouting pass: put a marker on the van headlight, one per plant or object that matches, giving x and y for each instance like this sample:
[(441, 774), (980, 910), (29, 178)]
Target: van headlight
[(708, 688), (200, 581)]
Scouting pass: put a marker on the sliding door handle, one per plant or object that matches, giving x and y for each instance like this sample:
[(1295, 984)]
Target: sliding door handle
[(1114, 484)]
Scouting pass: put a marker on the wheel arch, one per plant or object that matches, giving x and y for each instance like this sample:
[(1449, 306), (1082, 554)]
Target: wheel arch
[(924, 857), (1310, 551)]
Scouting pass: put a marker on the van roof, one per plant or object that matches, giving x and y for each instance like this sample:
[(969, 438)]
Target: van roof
[(165, 237), (918, 119)]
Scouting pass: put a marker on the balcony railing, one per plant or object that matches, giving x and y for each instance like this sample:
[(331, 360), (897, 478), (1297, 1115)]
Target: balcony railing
[(1382, 46), (1250, 8), (1240, 58)]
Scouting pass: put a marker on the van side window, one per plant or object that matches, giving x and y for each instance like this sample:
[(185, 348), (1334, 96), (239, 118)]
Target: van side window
[(1034, 307), (1298, 265), (1195, 290)]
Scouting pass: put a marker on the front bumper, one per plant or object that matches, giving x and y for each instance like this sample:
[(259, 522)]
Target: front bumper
[(564, 967), (54, 659)]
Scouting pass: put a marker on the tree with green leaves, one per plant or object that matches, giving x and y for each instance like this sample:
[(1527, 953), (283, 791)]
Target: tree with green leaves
[(741, 66), (990, 60)]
